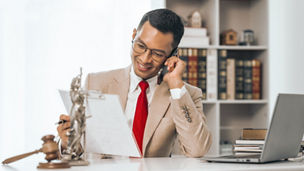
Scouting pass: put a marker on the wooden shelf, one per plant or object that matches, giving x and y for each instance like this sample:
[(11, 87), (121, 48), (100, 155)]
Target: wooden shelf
[(225, 118), (245, 48), (243, 101), (235, 102)]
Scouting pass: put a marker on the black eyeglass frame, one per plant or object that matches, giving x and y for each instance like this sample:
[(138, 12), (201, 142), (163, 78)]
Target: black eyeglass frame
[(173, 52)]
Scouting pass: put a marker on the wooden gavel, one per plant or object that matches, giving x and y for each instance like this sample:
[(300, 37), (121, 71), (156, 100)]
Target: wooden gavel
[(49, 147)]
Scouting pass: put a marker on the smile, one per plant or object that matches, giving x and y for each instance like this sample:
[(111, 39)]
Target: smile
[(143, 68)]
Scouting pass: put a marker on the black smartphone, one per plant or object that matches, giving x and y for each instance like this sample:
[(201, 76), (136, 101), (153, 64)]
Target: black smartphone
[(164, 67)]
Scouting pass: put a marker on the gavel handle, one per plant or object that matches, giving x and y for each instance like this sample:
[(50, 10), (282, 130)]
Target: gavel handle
[(21, 156)]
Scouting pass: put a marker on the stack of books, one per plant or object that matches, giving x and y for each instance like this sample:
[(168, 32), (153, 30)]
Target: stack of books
[(251, 143), (194, 37)]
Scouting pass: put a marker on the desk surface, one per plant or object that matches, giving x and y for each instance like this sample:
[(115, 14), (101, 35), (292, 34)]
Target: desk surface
[(157, 164)]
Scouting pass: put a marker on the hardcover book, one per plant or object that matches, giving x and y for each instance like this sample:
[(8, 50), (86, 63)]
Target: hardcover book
[(222, 74), (239, 79), (247, 79), (183, 54), (256, 79), (254, 134), (202, 70), (230, 78), (192, 67), (211, 74)]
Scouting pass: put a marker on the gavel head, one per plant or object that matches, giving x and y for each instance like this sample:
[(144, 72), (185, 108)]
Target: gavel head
[(50, 147)]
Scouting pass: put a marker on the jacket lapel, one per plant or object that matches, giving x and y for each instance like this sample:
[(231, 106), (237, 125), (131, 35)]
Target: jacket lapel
[(120, 86), (157, 109)]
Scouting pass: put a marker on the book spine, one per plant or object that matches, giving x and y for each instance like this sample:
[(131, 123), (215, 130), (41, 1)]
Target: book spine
[(256, 79), (230, 78), (239, 79), (192, 66), (183, 54), (247, 79), (211, 74), (202, 64), (222, 74)]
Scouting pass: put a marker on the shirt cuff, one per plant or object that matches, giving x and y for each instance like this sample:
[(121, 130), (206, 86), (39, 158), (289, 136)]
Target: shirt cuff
[(177, 93)]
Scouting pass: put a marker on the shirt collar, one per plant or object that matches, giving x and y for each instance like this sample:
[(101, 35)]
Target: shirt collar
[(134, 81)]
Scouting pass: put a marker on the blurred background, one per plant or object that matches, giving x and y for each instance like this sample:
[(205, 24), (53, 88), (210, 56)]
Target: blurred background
[(43, 43)]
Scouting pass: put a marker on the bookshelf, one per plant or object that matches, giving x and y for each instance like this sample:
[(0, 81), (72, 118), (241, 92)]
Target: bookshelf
[(226, 118)]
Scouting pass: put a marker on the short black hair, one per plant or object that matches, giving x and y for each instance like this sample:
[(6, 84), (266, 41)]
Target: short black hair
[(166, 21)]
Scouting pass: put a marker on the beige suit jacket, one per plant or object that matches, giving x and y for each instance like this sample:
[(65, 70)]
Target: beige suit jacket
[(167, 118)]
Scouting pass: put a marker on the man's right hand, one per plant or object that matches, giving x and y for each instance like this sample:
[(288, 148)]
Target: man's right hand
[(62, 130)]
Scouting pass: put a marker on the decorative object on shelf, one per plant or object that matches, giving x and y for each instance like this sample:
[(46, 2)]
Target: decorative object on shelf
[(75, 154), (195, 20), (247, 38), (229, 37), (50, 149)]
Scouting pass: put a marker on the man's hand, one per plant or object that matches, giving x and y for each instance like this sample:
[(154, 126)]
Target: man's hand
[(62, 130), (176, 68)]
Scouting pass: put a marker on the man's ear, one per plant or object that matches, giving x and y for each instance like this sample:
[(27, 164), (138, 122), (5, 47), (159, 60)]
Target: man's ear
[(134, 33)]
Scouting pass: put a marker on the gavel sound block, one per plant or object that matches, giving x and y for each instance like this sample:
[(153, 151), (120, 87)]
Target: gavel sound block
[(50, 149)]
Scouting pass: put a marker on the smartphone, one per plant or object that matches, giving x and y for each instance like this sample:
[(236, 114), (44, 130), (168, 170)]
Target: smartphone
[(164, 67)]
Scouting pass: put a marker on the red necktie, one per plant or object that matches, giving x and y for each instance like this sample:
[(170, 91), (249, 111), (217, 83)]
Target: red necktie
[(141, 114)]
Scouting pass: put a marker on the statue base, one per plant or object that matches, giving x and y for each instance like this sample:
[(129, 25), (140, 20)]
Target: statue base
[(53, 165), (78, 163), (68, 159)]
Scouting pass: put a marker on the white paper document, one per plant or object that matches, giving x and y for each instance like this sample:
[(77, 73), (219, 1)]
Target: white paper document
[(107, 131)]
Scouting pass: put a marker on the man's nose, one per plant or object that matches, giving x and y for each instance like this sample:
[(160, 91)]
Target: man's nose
[(146, 57)]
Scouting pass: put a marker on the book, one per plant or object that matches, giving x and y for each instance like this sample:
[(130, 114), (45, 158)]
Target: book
[(256, 79), (251, 142), (254, 134), (256, 148), (194, 41), (240, 154), (222, 74), (211, 74), (239, 79), (202, 71), (247, 79), (192, 66), (247, 149), (230, 78), (183, 55), (195, 32)]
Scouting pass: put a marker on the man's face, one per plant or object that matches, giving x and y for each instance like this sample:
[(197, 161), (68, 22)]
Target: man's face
[(143, 64)]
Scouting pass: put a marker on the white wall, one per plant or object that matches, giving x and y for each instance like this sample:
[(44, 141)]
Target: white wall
[(42, 45), (286, 47)]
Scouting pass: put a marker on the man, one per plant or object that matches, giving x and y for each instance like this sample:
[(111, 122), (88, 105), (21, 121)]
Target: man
[(159, 111)]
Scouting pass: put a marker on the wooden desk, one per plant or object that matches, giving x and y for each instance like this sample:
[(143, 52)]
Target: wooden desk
[(157, 164)]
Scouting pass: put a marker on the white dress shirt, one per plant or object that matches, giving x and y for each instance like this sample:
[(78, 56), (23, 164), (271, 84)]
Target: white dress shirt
[(135, 90)]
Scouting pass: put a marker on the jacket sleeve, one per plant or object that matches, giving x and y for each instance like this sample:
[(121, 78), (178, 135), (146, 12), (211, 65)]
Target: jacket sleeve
[(192, 131)]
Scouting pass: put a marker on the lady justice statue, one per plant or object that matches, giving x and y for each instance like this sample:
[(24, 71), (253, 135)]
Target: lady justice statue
[(75, 152)]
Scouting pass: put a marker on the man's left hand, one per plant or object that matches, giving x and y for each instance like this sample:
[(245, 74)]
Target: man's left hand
[(175, 68)]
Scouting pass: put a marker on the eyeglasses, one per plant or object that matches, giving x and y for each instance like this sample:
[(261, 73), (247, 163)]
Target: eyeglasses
[(141, 48)]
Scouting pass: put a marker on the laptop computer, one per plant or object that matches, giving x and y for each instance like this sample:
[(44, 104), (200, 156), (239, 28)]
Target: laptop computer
[(284, 134)]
